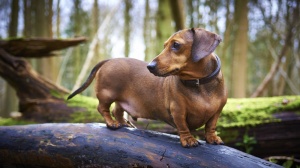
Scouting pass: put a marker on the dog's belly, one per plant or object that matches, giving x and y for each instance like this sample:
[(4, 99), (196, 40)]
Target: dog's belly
[(135, 109), (132, 109), (141, 108)]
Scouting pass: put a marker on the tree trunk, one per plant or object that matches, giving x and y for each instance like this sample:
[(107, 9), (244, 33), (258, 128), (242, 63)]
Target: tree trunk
[(93, 145), (39, 99), (240, 49), (177, 8), (27, 18), (127, 27), (190, 14), (147, 32), (163, 24), (14, 15), (11, 100), (57, 19), (225, 54)]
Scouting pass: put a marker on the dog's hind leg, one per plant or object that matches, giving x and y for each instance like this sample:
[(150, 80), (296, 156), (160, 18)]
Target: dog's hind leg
[(103, 109), (118, 113)]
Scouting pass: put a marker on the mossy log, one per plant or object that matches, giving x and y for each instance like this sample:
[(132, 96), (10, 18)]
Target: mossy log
[(93, 145)]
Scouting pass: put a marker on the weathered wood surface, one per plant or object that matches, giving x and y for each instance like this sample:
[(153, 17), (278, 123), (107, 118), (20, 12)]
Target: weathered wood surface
[(93, 145), (273, 139)]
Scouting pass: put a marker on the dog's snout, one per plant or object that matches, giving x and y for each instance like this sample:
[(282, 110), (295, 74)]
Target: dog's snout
[(152, 66)]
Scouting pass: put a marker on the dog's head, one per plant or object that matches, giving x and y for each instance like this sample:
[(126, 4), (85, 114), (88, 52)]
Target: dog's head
[(188, 45)]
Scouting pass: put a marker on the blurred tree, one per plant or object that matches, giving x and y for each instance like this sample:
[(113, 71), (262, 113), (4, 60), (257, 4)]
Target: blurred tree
[(78, 25), (177, 8), (127, 26), (190, 13), (95, 24), (11, 101), (14, 16), (240, 49), (224, 53), (163, 24), (58, 19), (194, 16), (147, 31), (283, 28), (38, 23)]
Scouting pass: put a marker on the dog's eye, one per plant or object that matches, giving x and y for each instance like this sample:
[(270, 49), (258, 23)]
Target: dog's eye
[(175, 46)]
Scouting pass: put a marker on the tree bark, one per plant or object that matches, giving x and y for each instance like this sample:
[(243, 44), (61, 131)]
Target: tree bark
[(163, 24), (177, 9), (14, 15), (147, 32), (240, 49), (39, 99), (11, 100), (93, 145), (127, 26)]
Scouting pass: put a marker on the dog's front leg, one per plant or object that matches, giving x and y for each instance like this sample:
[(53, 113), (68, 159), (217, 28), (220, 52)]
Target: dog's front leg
[(186, 138), (210, 130)]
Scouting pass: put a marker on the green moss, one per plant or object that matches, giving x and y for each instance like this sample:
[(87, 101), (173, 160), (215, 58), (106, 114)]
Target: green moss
[(253, 111), (57, 94), (87, 109), (12, 121)]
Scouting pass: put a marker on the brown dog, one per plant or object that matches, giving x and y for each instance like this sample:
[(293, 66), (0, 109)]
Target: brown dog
[(186, 90)]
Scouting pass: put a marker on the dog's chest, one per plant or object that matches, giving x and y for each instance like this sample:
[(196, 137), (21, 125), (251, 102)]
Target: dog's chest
[(200, 106)]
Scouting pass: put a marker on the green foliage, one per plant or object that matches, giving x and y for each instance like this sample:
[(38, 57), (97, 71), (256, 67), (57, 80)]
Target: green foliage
[(288, 164), (285, 161), (253, 111), (247, 143)]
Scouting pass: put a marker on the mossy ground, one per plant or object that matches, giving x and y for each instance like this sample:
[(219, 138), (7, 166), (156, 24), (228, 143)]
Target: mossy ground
[(253, 111), (236, 113), (89, 111)]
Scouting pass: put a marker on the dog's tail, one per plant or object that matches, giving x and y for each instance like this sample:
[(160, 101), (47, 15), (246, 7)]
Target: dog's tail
[(88, 80)]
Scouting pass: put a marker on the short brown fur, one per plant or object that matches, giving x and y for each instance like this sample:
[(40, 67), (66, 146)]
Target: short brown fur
[(163, 96)]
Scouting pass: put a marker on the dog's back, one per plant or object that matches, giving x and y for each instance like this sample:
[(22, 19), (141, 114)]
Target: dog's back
[(128, 82)]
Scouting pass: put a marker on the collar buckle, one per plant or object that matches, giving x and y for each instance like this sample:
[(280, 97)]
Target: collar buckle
[(197, 82)]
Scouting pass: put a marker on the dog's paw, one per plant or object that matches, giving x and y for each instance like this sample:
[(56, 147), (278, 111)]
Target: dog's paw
[(189, 141), (114, 125), (213, 139)]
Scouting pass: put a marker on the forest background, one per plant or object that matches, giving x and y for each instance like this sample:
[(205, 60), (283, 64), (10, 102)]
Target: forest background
[(260, 52)]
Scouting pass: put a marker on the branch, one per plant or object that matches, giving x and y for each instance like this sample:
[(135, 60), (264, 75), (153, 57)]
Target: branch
[(37, 47), (93, 145), (275, 66), (281, 70)]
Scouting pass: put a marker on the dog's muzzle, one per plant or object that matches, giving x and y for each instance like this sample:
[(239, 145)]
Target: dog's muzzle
[(152, 67)]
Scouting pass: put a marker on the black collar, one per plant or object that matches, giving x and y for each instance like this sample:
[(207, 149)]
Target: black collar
[(210, 77)]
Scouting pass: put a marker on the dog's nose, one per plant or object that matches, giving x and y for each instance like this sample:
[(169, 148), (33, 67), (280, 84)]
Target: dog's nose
[(151, 66)]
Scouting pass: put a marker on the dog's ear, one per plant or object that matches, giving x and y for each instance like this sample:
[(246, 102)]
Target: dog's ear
[(204, 43)]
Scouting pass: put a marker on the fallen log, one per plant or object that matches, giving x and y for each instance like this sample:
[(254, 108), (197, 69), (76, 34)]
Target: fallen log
[(93, 145), (40, 100)]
